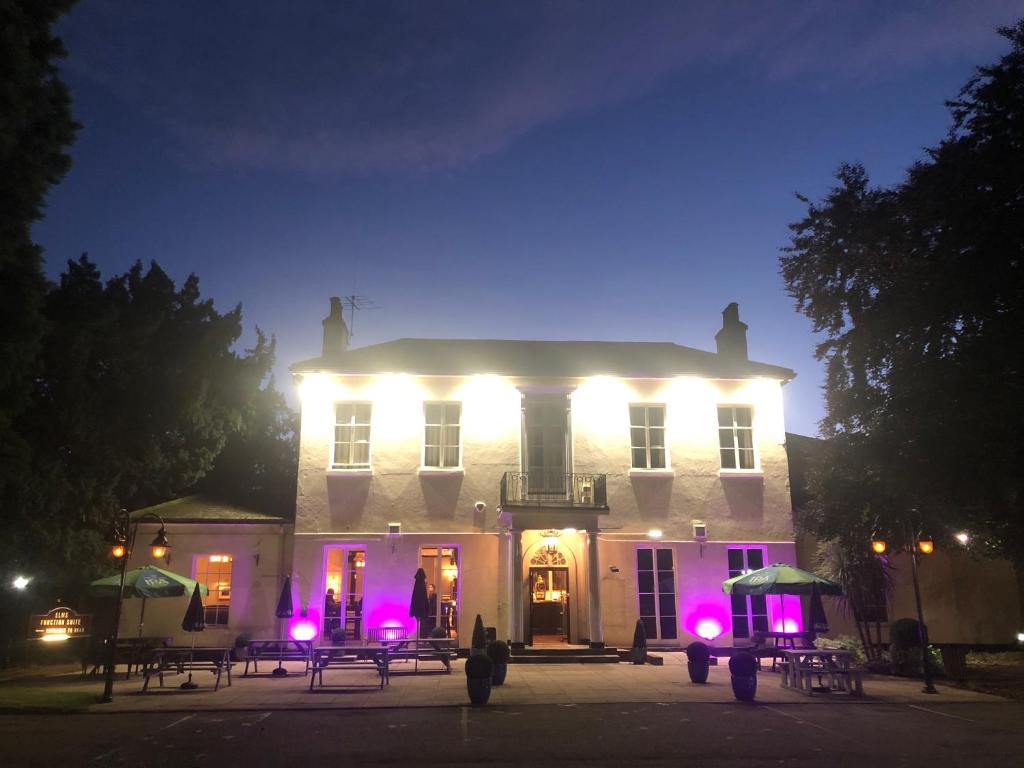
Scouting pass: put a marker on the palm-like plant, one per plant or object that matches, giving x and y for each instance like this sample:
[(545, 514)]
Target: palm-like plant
[(866, 579)]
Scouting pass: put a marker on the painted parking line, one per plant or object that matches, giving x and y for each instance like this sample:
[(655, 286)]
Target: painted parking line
[(943, 714), (179, 721), (802, 721)]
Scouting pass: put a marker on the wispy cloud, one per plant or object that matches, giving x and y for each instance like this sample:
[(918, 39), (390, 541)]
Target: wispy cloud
[(360, 87)]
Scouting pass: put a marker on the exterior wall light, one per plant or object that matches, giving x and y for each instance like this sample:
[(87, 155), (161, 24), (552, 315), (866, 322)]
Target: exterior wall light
[(654, 533)]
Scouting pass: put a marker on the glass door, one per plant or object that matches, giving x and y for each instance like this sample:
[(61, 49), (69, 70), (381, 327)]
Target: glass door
[(546, 447), (343, 595), (749, 614)]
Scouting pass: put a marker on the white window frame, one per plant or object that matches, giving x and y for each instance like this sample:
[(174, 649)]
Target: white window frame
[(195, 576), (442, 467), (756, 468), (654, 547), (334, 465), (746, 549), (647, 436)]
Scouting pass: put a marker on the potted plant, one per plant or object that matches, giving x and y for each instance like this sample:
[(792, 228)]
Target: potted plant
[(698, 661), (338, 636), (479, 669), (241, 650), (478, 646), (497, 652), (743, 667), (638, 653)]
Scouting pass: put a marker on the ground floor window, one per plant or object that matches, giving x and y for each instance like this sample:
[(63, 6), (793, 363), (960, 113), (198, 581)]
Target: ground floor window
[(749, 614), (656, 588), (343, 596), (441, 564), (215, 572)]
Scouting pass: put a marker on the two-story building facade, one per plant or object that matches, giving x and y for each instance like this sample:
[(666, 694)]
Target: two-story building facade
[(560, 489)]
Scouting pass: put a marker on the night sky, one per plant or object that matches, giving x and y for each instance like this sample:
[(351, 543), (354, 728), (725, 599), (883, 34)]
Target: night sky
[(564, 170)]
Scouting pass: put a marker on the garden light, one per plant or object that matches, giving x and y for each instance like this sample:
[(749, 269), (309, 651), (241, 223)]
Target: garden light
[(20, 582)]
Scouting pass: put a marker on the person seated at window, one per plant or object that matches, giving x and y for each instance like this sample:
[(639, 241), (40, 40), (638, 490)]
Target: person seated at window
[(332, 613), (431, 620)]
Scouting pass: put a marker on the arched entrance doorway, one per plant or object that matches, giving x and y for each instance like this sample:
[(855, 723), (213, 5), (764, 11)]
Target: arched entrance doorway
[(549, 614)]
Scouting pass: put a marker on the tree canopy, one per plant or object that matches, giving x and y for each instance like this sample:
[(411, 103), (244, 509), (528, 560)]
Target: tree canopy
[(918, 292)]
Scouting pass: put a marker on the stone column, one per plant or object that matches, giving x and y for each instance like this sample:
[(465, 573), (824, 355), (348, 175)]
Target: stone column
[(594, 591), (516, 578)]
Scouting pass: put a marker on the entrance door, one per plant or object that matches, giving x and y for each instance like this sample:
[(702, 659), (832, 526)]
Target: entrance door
[(546, 447), (549, 605)]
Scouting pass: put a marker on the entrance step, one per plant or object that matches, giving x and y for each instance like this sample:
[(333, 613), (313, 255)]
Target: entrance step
[(579, 655)]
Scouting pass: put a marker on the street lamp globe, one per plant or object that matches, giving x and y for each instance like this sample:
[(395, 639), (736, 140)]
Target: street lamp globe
[(20, 582), (160, 545)]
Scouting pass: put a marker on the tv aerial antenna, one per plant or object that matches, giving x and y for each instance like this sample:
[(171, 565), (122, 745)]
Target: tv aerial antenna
[(353, 304)]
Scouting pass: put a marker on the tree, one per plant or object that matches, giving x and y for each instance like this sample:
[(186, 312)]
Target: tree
[(139, 394), (35, 129), (918, 290)]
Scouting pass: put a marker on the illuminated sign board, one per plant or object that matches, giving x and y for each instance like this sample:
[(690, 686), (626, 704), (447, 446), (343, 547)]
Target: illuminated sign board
[(60, 623)]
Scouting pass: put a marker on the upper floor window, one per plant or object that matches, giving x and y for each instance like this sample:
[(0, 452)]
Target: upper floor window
[(736, 436), (215, 572), (647, 436), (351, 435), (441, 437)]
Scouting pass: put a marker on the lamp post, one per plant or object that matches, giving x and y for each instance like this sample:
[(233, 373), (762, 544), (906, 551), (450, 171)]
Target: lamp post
[(125, 531), (917, 542)]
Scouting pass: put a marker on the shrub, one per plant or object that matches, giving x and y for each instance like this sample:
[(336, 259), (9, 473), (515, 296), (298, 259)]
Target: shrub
[(338, 635), (479, 635), (437, 633), (905, 648), (497, 652), (698, 652), (847, 643), (743, 664), (479, 667), (639, 635)]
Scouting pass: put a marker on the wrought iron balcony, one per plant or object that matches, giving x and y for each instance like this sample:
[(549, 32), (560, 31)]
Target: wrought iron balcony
[(554, 489)]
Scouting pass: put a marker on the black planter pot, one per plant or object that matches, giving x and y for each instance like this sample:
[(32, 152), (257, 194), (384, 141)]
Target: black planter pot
[(479, 690), (698, 671), (638, 655), (744, 687), (498, 675)]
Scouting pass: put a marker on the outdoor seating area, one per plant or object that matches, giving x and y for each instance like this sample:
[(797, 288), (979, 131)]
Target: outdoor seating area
[(349, 657), (279, 651), (832, 668), (132, 652), (179, 660)]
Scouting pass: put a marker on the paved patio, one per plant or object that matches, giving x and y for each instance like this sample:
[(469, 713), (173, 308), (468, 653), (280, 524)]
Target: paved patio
[(526, 684)]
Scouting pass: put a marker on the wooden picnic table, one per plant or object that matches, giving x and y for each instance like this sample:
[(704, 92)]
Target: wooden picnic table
[(280, 651), (349, 657), (779, 642), (803, 665), (180, 659), (130, 651), (442, 649)]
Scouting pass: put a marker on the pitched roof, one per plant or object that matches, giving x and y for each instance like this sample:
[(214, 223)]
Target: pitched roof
[(206, 509), (462, 357)]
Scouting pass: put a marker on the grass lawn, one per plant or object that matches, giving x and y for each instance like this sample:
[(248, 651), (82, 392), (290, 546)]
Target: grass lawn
[(21, 699), (1001, 674)]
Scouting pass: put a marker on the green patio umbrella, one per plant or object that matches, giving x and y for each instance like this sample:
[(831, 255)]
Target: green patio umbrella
[(779, 579), (145, 582), (194, 621)]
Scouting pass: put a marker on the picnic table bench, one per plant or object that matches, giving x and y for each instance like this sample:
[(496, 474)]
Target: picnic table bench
[(130, 651), (349, 657), (181, 659), (442, 649), (802, 666), (279, 651), (774, 644)]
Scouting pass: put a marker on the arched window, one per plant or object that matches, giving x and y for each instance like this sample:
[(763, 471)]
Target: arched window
[(549, 558)]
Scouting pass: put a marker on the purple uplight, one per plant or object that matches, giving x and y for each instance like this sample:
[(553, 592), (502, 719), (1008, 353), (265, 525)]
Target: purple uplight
[(708, 629), (786, 625), (305, 626)]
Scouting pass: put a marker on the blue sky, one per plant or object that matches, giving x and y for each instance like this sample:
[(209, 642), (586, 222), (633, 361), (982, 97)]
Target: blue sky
[(558, 170)]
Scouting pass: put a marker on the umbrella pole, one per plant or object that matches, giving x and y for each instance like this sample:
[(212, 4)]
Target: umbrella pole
[(189, 685), (142, 614)]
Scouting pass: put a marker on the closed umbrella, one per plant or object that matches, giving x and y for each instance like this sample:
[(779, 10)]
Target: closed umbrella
[(145, 582), (815, 618), (194, 621), (284, 611), (419, 606)]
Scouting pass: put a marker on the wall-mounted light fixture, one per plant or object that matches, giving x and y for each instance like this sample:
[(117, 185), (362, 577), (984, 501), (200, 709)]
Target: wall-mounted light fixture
[(700, 530)]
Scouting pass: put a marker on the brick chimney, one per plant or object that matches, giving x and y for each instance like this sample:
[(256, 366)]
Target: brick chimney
[(336, 333), (732, 339)]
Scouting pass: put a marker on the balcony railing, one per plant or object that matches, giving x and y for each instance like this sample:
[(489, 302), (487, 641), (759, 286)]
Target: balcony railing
[(554, 489)]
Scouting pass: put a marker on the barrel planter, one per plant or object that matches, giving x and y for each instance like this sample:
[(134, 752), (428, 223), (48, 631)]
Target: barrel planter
[(698, 662), (478, 679), (743, 670)]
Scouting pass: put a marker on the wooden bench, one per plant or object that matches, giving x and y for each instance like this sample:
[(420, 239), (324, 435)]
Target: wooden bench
[(181, 659), (442, 649), (350, 657), (279, 651)]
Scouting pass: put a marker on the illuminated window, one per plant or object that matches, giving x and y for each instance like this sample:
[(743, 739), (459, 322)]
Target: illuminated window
[(748, 613), (343, 593), (647, 436), (215, 572), (351, 435), (656, 589), (441, 564), (441, 435), (736, 436)]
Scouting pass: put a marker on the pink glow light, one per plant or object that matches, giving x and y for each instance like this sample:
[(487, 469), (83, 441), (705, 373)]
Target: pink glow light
[(786, 625), (303, 629), (708, 629)]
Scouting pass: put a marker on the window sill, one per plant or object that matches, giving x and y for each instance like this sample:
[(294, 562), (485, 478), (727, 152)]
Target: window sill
[(442, 471), (354, 471), (755, 473), (636, 472)]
